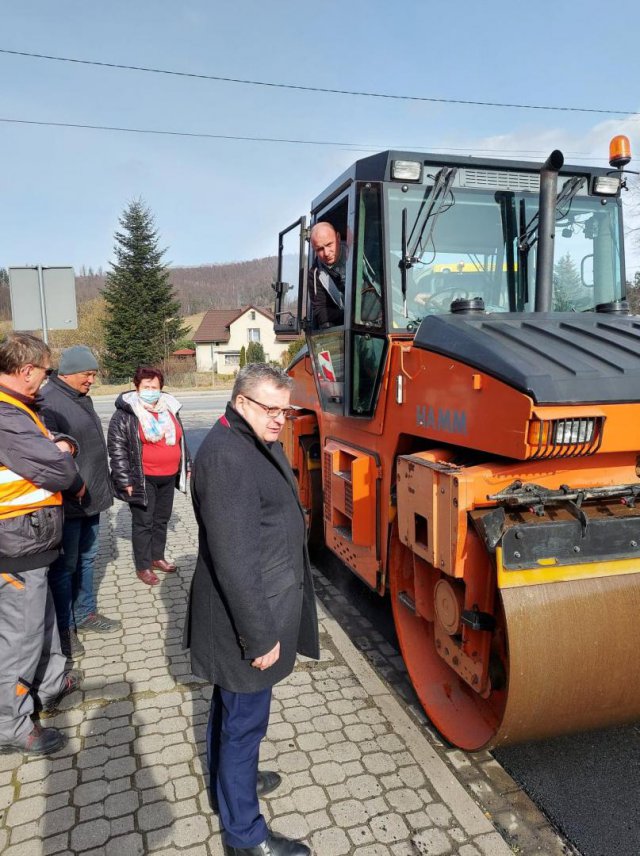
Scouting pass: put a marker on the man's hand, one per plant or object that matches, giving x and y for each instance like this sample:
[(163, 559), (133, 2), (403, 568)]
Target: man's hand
[(81, 492), (129, 489), (267, 660), (64, 446)]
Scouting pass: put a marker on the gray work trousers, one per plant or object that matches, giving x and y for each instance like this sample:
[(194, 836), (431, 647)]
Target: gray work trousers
[(31, 662)]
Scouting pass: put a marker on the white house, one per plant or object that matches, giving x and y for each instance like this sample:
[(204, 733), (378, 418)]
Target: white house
[(223, 332)]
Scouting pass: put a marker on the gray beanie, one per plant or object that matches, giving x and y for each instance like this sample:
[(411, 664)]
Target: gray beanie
[(77, 359)]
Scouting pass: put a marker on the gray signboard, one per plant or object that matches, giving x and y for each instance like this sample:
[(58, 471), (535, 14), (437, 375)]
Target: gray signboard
[(43, 298)]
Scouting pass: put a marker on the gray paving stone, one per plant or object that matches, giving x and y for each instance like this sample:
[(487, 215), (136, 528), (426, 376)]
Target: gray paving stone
[(291, 825), (125, 802), (349, 813), (125, 845), (372, 850), (362, 787), (25, 831), (7, 796), (318, 820), (360, 835), (440, 815), (433, 842), (91, 792), (331, 842), (54, 844), (405, 799), (330, 773), (309, 798), (26, 810), (57, 821), (190, 830), (154, 816), (292, 762), (92, 834), (122, 825), (490, 844)]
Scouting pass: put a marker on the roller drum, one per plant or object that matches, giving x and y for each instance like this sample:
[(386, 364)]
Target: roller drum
[(573, 657)]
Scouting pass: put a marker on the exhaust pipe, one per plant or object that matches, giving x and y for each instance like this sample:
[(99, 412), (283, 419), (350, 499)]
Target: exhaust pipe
[(547, 230)]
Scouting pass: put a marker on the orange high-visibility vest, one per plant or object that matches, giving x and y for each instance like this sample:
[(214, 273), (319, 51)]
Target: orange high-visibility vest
[(17, 494)]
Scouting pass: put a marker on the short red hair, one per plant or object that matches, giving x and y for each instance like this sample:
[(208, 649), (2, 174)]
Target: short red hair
[(147, 373)]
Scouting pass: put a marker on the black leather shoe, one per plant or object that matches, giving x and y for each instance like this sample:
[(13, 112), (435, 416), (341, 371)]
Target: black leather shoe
[(268, 781), (275, 845)]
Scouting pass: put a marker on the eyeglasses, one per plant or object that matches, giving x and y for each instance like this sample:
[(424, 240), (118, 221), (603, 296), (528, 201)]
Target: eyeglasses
[(272, 412), (46, 371)]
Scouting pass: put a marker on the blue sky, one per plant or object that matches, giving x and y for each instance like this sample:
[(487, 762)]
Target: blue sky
[(62, 190)]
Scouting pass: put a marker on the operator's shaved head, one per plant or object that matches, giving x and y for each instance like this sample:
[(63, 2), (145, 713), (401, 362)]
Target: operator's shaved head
[(325, 241)]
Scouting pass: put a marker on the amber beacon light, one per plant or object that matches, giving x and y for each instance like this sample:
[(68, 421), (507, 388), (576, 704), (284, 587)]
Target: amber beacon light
[(619, 151)]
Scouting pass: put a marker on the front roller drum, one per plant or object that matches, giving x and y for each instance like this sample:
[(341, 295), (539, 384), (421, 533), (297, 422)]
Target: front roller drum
[(573, 657), (563, 659)]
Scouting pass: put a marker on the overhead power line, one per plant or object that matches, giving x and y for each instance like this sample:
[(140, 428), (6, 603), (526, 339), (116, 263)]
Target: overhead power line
[(362, 94), (367, 147)]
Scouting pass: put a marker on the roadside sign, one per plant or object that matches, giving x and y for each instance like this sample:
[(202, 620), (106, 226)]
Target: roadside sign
[(43, 298)]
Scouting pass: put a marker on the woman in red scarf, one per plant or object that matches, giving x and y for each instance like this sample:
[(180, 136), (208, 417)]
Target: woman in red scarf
[(149, 459)]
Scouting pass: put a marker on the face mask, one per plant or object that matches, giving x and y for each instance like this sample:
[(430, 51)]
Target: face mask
[(149, 396)]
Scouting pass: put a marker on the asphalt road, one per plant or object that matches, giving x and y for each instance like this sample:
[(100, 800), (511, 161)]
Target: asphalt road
[(588, 785)]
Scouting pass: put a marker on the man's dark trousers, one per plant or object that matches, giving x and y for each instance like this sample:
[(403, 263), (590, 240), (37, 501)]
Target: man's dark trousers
[(71, 575), (237, 724)]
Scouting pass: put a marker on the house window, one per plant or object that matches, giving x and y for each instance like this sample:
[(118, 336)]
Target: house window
[(232, 359), (252, 315), (253, 334)]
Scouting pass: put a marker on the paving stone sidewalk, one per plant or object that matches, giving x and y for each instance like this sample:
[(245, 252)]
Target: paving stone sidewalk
[(360, 776)]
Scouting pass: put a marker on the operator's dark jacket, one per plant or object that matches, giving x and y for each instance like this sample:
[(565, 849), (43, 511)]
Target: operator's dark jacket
[(325, 312), (252, 585), (66, 410), (125, 450), (32, 540)]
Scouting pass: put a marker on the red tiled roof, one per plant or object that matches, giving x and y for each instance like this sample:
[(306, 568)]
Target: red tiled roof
[(183, 352), (215, 325)]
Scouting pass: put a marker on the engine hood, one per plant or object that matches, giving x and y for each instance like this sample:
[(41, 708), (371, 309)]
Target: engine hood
[(555, 358)]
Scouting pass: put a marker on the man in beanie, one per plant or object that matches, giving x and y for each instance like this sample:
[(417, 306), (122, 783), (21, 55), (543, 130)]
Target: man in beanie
[(66, 403)]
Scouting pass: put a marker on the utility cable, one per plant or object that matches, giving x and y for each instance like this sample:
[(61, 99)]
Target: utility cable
[(299, 87), (366, 147)]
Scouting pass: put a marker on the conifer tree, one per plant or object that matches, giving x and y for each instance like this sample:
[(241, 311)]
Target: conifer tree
[(255, 353), (141, 324), (567, 284)]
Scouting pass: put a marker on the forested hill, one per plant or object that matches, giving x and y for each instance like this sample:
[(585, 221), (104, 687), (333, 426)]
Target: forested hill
[(222, 286)]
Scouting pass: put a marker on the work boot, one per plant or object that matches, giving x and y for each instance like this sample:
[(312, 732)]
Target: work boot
[(96, 623), (71, 646), (40, 741), (273, 845), (70, 683)]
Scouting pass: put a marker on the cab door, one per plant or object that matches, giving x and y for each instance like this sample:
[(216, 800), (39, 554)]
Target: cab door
[(290, 285)]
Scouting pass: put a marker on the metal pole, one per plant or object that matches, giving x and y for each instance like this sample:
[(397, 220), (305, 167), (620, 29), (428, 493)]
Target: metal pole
[(43, 308)]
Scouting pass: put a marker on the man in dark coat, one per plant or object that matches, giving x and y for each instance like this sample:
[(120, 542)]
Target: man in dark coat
[(252, 606), (67, 408)]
